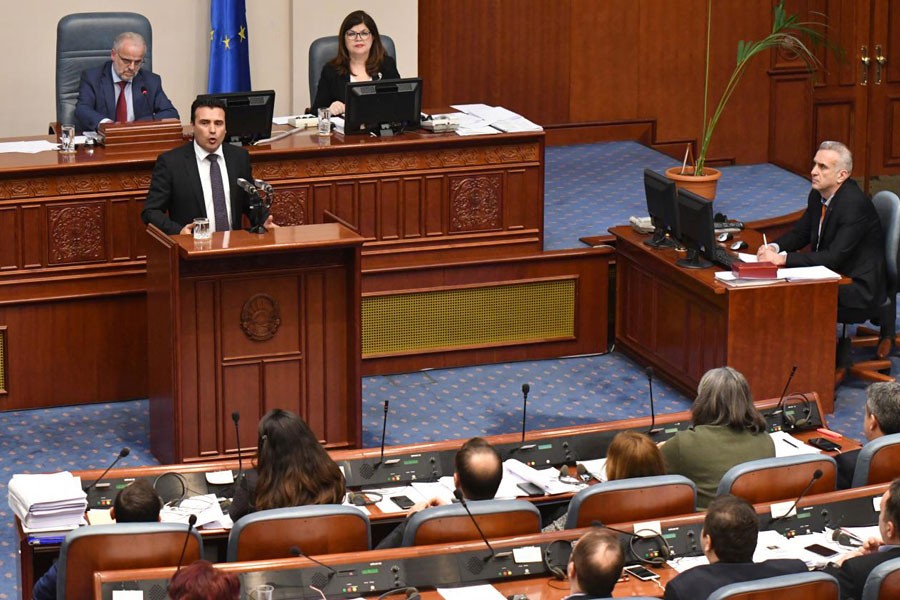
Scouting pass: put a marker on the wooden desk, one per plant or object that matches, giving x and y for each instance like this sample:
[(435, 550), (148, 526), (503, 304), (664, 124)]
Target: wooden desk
[(684, 323)]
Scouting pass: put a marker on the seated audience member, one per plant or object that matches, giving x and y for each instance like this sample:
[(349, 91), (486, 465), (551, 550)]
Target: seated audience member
[(631, 454), (292, 469), (727, 431), (202, 581), (730, 531), (479, 471), (360, 57), (119, 90), (882, 417), (853, 568), (137, 503), (595, 565)]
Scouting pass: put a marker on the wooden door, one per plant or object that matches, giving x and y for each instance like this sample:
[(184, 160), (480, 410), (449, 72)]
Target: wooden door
[(884, 95)]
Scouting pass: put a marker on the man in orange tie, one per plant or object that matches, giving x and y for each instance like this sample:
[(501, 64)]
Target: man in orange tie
[(119, 90)]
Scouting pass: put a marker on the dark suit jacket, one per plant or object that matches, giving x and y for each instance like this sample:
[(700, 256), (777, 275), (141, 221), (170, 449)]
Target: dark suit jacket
[(698, 583), (175, 197), (333, 85), (853, 573), (97, 98), (846, 465), (852, 244)]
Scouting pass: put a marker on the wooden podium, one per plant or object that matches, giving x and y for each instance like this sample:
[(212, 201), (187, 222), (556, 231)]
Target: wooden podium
[(248, 323)]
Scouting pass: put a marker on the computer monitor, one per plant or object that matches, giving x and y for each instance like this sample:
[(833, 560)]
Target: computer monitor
[(384, 107), (660, 193), (248, 115), (695, 230)]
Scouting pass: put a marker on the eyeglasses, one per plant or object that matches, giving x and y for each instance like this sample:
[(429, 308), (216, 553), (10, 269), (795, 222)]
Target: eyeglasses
[(136, 62), (358, 35)]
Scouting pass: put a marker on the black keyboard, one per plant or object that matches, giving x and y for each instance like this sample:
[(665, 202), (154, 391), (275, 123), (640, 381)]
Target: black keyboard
[(731, 225), (722, 258)]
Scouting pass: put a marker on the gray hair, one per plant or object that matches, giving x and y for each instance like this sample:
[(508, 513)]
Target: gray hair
[(723, 398), (845, 157), (129, 36), (883, 402)]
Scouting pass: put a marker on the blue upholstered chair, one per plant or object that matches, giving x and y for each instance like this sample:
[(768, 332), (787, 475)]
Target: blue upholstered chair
[(883, 582), (635, 499), (451, 523), (814, 585), (779, 478), (878, 461)]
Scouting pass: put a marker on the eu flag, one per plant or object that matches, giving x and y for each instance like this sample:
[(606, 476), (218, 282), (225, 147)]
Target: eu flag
[(229, 53)]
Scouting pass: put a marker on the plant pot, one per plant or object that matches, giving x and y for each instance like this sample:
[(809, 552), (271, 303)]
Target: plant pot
[(704, 185)]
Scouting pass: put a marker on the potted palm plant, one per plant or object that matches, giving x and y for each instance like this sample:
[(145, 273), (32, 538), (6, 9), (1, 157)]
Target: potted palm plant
[(788, 33)]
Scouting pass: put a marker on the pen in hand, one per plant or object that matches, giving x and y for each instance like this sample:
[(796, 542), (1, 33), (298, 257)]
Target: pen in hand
[(765, 242)]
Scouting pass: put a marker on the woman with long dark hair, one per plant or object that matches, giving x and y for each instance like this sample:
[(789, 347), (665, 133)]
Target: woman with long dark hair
[(292, 469), (360, 57)]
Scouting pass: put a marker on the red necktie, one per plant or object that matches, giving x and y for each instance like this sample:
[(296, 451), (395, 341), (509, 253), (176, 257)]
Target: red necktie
[(121, 105)]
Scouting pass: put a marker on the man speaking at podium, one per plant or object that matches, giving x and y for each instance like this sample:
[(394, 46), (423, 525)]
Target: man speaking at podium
[(119, 90), (200, 178)]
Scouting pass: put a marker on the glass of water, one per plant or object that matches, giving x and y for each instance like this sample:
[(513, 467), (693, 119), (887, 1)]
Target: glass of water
[(201, 229), (265, 592), (67, 139), (324, 121)]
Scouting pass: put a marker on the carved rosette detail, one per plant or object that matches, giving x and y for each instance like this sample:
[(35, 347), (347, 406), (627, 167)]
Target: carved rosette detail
[(475, 202), (260, 317), (512, 154), (85, 184), (135, 182), (391, 162), (76, 233), (289, 207), (23, 188)]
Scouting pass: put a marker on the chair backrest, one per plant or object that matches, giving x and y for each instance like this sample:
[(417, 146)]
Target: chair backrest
[(451, 523), (878, 461), (84, 40), (883, 581), (887, 204), (636, 499), (120, 546), (318, 529), (324, 49), (814, 585), (780, 478)]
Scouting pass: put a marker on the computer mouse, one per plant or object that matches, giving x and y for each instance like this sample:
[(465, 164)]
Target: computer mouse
[(724, 237), (739, 245)]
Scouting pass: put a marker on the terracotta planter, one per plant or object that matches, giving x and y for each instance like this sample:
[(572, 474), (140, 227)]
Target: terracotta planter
[(704, 185)]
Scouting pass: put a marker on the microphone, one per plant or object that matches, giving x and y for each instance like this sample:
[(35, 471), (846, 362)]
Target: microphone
[(816, 476), (525, 389), (845, 538), (236, 416), (122, 454), (652, 430), (381, 460), (263, 185), (192, 520), (296, 552), (465, 505), (247, 186), (779, 409)]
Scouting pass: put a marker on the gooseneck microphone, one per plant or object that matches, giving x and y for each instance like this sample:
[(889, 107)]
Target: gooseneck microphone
[(192, 520), (381, 460), (122, 454), (652, 430), (525, 389), (816, 476), (465, 505), (236, 417), (247, 186), (779, 410), (298, 553)]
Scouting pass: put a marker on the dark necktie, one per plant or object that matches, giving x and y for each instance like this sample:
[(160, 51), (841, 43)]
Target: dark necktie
[(218, 193), (121, 105), (821, 221)]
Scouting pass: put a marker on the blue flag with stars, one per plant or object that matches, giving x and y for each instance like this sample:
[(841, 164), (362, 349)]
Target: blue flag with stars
[(229, 51)]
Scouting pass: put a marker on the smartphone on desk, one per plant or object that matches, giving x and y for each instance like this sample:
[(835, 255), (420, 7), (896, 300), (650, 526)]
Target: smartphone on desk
[(824, 444), (530, 489), (642, 573), (402, 501)]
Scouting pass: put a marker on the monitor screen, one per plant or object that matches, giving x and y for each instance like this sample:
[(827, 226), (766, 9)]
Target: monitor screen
[(248, 115), (660, 193), (383, 107), (695, 230)]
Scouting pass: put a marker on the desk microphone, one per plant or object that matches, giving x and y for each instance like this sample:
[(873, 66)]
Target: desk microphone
[(845, 538), (652, 430), (816, 476), (236, 417), (779, 409), (247, 186), (525, 389), (122, 454), (298, 553), (192, 520), (381, 460), (465, 505)]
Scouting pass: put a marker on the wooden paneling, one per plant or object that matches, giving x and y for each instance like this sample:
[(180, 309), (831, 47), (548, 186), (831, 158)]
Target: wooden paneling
[(885, 113), (791, 140)]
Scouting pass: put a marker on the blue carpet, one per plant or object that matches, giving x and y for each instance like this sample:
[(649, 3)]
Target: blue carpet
[(589, 188)]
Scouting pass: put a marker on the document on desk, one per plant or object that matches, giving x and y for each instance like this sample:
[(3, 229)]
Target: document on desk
[(817, 273), (481, 592), (683, 563), (547, 480), (389, 506), (788, 445), (29, 147), (206, 507), (730, 279), (434, 489), (596, 467)]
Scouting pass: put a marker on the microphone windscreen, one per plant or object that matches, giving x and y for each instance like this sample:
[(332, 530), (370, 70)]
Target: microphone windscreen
[(457, 494), (817, 474), (236, 416), (526, 388), (295, 551), (192, 520), (124, 452), (649, 371)]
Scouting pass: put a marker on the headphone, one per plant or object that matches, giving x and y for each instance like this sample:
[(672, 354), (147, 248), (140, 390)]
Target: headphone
[(362, 498), (559, 573), (790, 422), (664, 550), (411, 593)]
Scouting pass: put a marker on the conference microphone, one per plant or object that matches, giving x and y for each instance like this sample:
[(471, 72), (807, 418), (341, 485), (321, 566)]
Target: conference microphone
[(247, 186), (122, 454), (465, 505), (263, 185), (381, 461), (192, 520), (236, 416), (816, 476), (845, 538), (779, 409), (296, 552), (525, 389), (652, 430)]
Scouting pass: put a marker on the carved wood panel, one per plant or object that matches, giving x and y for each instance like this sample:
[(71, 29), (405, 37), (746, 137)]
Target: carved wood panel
[(476, 202), (76, 233), (290, 205)]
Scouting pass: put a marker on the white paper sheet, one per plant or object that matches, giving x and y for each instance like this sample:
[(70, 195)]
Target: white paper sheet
[(788, 445), (481, 592)]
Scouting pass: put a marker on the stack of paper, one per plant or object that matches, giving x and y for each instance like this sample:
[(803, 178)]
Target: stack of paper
[(481, 119), (48, 502), (547, 479)]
